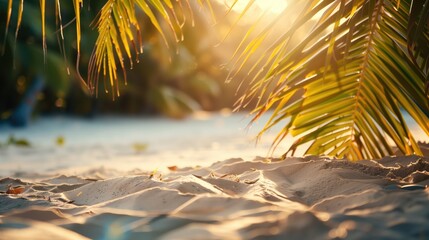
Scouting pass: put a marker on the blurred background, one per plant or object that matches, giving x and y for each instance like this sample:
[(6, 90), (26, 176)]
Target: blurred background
[(69, 129), (171, 81)]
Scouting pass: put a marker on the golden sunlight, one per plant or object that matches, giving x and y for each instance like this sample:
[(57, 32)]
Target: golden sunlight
[(274, 6)]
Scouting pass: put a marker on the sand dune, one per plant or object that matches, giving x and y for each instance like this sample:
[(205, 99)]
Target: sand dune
[(298, 198)]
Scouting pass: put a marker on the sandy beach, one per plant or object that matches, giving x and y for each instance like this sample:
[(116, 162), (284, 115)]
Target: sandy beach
[(214, 120), (238, 198), (298, 198)]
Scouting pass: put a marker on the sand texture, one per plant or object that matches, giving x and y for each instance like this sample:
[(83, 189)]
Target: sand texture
[(298, 198)]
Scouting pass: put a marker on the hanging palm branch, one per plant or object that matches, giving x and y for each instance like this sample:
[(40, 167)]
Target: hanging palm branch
[(363, 63), (120, 36)]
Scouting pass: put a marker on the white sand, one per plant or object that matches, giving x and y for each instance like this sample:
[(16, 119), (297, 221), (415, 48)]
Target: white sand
[(298, 198)]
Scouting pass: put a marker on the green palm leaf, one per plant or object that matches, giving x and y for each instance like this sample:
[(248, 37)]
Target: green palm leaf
[(360, 66)]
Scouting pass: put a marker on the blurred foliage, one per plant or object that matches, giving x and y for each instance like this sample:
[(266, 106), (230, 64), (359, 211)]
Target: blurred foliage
[(20, 142), (140, 147), (23, 58), (60, 141)]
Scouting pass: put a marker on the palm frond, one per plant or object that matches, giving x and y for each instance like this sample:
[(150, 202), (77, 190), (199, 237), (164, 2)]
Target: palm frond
[(120, 35), (43, 16), (9, 15), (18, 24), (60, 36), (77, 5), (358, 68)]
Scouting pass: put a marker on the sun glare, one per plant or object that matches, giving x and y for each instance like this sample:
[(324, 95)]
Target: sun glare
[(274, 6)]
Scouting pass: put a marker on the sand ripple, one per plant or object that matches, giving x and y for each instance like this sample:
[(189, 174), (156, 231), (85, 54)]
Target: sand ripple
[(299, 198)]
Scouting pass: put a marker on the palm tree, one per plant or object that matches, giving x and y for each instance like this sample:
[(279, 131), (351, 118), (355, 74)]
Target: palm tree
[(363, 63)]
